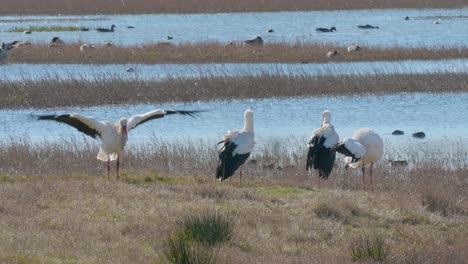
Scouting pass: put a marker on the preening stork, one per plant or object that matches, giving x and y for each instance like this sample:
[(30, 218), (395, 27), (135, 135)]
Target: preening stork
[(320, 156), (364, 148), (237, 146), (113, 134)]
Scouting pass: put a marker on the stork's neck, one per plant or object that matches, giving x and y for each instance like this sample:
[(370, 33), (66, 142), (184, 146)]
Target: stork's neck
[(325, 121), (248, 125)]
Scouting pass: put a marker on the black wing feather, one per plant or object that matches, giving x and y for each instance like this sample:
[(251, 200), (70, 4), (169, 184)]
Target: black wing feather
[(319, 157), (228, 164), (72, 121), (171, 112), (314, 145), (340, 148)]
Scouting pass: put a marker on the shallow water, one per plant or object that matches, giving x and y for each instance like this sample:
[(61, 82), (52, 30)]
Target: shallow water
[(291, 27), (441, 117), (16, 72)]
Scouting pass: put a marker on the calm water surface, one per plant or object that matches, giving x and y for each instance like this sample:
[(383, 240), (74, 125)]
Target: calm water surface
[(441, 117), (291, 27), (16, 72)]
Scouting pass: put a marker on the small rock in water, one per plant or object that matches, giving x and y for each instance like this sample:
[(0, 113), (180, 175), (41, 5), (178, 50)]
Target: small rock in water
[(398, 132), (419, 135)]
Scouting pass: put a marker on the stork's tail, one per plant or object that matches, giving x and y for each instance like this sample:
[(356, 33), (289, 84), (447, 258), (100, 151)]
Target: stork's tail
[(102, 155)]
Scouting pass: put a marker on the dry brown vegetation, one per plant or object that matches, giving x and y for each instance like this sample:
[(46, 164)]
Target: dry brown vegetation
[(53, 93), (219, 53), (57, 206), (207, 6)]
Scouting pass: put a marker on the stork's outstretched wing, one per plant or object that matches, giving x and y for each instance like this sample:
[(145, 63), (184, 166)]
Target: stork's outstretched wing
[(87, 125), (136, 120)]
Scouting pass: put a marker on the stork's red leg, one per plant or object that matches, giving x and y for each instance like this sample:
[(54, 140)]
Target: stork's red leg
[(118, 163), (363, 176), (240, 177), (108, 168), (372, 186)]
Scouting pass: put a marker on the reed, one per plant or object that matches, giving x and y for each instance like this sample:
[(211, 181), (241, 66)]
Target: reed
[(54, 7), (81, 92), (214, 52)]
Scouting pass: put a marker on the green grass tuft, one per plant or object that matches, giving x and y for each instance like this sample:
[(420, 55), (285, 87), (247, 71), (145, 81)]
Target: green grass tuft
[(282, 190), (198, 233), (369, 246), (208, 227), (180, 251)]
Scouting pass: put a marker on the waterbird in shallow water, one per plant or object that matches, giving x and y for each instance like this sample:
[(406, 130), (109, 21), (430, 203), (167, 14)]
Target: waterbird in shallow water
[(55, 42), (236, 149), (112, 134), (324, 30), (256, 41), (332, 53), (320, 155), (367, 26), (86, 46), (106, 29), (17, 44), (353, 48), (364, 148)]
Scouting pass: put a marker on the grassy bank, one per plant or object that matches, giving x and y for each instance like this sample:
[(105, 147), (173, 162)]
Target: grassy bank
[(57, 206), (219, 53), (54, 7), (61, 93)]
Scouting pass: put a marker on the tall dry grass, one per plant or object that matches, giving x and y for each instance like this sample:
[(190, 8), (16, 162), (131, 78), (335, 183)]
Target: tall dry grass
[(52, 93), (57, 206), (22, 7), (220, 53)]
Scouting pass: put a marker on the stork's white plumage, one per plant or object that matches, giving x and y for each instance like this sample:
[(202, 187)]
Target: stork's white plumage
[(237, 146), (113, 134), (320, 155), (364, 148)]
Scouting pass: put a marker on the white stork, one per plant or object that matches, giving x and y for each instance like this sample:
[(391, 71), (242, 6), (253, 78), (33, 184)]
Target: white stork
[(320, 155), (112, 134), (236, 149), (365, 147)]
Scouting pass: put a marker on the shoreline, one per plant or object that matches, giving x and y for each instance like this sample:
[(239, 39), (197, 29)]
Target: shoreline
[(167, 53)]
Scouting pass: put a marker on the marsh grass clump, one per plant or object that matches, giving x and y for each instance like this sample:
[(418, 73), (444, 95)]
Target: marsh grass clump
[(328, 210), (197, 236), (209, 228), (439, 202), (181, 251), (371, 246)]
